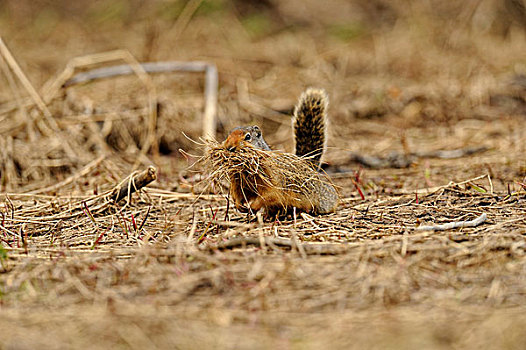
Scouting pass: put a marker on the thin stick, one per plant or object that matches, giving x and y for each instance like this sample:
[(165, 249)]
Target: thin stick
[(452, 154), (490, 184), (209, 116), (458, 224), (133, 184), (14, 234), (125, 69), (403, 160)]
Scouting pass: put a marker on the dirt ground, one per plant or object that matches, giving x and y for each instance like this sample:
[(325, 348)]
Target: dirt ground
[(427, 127)]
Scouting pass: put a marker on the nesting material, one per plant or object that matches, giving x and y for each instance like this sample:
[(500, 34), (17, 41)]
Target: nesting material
[(275, 181)]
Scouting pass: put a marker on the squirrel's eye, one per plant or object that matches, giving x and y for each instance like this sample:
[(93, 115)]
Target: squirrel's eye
[(247, 137)]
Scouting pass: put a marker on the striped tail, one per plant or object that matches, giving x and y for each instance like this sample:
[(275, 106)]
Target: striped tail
[(309, 124)]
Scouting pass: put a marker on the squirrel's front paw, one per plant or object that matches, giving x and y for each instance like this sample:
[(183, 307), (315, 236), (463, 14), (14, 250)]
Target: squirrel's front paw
[(241, 207)]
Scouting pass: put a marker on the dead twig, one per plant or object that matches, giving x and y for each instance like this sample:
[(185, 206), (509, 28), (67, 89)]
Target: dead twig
[(453, 153), (402, 160), (394, 160), (458, 224), (133, 183)]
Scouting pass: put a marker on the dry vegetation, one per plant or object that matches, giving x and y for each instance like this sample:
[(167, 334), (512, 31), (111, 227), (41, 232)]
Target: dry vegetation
[(284, 181), (428, 107)]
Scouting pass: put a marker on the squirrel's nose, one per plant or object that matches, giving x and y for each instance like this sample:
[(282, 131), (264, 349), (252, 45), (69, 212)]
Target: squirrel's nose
[(230, 144), (233, 141)]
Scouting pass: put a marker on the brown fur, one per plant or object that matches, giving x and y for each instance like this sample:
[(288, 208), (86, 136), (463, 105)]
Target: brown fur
[(277, 182), (273, 181)]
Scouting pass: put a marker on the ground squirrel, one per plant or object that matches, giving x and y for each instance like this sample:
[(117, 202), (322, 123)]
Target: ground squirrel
[(311, 191), (250, 134)]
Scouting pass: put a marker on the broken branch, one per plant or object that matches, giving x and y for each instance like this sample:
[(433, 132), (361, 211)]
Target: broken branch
[(133, 184), (402, 160), (458, 224)]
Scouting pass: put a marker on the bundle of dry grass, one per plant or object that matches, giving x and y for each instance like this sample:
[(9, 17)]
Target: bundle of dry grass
[(275, 181)]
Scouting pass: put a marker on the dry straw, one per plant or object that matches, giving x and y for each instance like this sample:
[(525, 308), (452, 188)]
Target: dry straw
[(293, 180)]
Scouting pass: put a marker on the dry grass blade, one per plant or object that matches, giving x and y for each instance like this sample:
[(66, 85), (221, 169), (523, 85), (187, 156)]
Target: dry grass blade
[(185, 17), (25, 81), (35, 96), (18, 98)]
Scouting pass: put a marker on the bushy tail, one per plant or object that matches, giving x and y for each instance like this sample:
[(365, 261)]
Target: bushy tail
[(309, 124)]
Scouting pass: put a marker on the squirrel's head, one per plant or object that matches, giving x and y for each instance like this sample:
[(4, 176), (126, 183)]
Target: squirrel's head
[(241, 136)]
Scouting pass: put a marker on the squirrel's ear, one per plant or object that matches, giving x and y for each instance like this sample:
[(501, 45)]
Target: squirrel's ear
[(257, 130)]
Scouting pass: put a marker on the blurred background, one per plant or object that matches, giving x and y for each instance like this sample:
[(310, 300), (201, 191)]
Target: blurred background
[(401, 73)]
